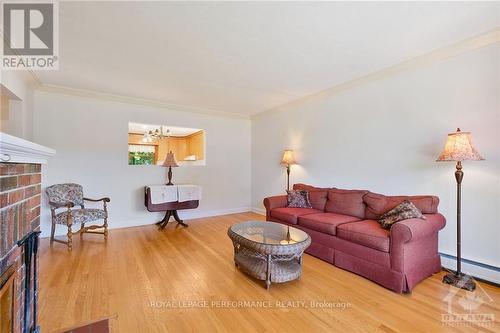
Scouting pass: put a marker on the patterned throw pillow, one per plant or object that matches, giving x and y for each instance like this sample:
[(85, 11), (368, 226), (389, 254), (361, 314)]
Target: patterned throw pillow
[(403, 211), (298, 199)]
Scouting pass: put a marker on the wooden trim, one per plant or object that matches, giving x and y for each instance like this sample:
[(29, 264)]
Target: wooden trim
[(97, 200), (195, 133), (5, 285), (142, 144), (11, 284)]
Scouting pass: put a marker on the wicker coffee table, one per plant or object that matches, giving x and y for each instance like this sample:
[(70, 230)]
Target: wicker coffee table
[(269, 251)]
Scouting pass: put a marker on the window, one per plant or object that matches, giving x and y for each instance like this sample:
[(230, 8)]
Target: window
[(141, 154), (149, 144)]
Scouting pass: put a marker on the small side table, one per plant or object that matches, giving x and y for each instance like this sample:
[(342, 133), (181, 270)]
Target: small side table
[(170, 208)]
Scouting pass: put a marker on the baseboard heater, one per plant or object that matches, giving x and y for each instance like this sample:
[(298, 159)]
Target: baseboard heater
[(478, 270)]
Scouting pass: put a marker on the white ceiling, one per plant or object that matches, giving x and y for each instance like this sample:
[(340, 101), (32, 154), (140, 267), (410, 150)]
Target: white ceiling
[(247, 57), (138, 128)]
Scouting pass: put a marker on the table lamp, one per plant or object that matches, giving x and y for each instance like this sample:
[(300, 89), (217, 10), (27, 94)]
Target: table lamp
[(170, 162), (459, 148)]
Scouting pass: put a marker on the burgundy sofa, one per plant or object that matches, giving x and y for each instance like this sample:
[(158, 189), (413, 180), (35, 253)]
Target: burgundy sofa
[(344, 231)]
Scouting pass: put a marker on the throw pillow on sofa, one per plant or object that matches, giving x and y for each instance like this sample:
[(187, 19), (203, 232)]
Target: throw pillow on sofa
[(403, 211), (298, 199), (317, 195)]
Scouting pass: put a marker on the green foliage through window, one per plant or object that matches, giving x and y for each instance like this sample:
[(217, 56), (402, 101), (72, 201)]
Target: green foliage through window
[(141, 158)]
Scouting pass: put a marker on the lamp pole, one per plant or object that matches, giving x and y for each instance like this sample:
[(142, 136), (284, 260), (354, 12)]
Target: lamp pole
[(458, 279), (287, 160), (288, 177), (459, 175)]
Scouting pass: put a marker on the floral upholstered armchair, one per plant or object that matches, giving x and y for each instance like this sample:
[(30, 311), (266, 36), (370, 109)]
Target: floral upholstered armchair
[(69, 196)]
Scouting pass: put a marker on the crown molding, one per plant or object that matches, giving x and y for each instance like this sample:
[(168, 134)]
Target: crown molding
[(134, 100), (466, 45), (17, 150)]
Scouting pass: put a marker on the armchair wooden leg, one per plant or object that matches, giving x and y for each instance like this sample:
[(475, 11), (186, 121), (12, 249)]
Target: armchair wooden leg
[(70, 238), (105, 228), (52, 232), (69, 223), (82, 227), (105, 207)]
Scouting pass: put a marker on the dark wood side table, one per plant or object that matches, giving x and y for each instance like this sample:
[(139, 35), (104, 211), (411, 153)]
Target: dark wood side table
[(170, 208)]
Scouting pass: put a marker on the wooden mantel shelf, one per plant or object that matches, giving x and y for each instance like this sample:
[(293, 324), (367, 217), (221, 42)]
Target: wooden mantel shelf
[(17, 150)]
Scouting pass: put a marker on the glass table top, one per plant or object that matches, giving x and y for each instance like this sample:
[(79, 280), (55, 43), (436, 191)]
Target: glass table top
[(270, 233)]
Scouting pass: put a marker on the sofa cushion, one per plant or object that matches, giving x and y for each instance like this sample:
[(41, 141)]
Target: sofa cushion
[(290, 215), (378, 204), (368, 233), (318, 199), (346, 202), (317, 195), (325, 222)]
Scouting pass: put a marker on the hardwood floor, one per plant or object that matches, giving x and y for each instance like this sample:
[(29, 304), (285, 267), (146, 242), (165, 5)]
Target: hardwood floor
[(142, 274)]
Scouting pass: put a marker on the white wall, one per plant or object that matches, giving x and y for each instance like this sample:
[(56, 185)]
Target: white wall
[(385, 135), (17, 86), (90, 137)]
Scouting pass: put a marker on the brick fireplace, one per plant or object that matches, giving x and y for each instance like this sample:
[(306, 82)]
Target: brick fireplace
[(20, 197)]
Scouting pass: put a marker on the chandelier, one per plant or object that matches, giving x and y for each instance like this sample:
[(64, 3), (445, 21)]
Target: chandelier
[(157, 134)]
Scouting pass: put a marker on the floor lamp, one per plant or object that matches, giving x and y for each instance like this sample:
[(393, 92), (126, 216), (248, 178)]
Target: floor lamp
[(287, 160), (459, 148)]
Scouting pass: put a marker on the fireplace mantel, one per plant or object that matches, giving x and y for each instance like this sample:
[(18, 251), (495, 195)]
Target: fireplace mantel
[(17, 150)]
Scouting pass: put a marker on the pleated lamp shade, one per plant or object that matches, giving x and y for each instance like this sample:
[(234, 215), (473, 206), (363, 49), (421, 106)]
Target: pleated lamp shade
[(288, 157), (170, 160), (459, 147)]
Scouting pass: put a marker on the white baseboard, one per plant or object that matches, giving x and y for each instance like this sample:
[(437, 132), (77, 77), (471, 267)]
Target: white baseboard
[(258, 211), (193, 214), (485, 272)]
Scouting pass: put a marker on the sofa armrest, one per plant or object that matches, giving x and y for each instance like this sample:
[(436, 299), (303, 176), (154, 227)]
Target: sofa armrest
[(271, 203), (414, 242), (414, 229)]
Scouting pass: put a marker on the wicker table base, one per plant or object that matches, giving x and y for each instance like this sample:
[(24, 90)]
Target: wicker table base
[(271, 262), (280, 271)]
